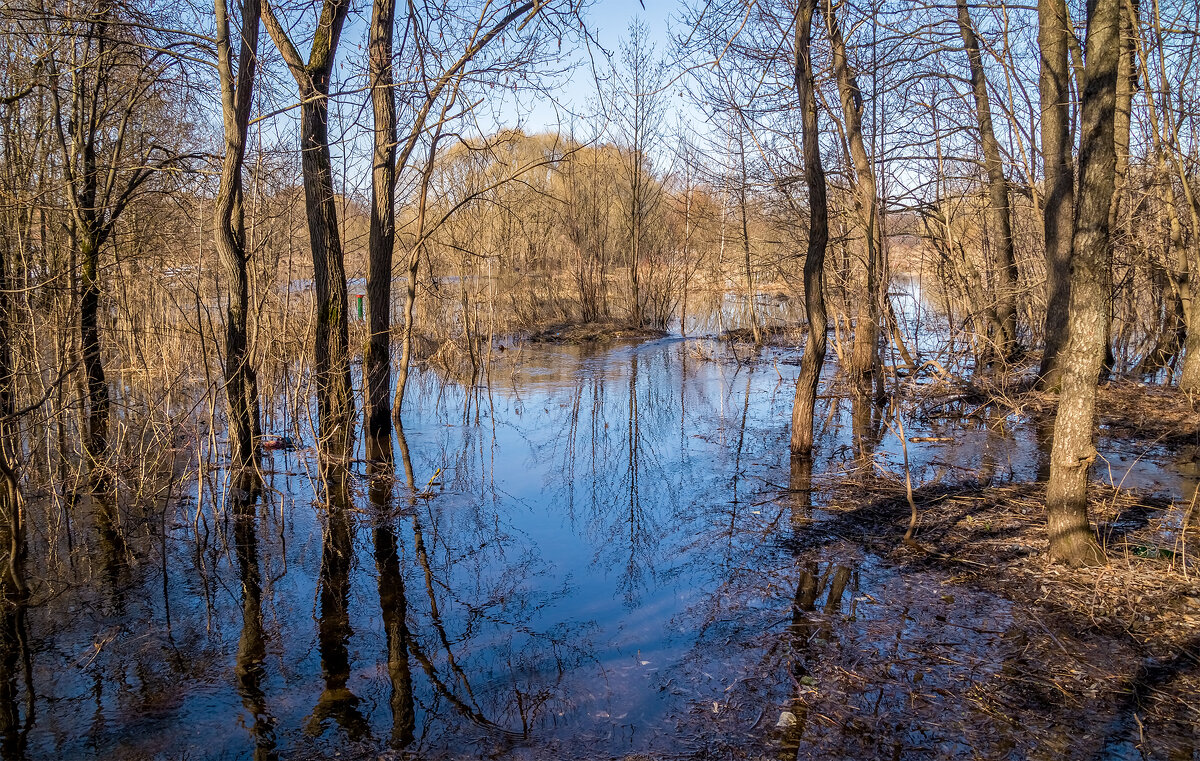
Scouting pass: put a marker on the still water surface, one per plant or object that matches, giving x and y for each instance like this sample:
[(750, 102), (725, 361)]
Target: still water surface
[(601, 557)]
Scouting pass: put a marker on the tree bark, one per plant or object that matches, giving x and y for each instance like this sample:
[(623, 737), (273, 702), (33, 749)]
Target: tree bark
[(1072, 540), (804, 406), (95, 443), (999, 210), (331, 355), (864, 357), (241, 380), (1059, 195), (377, 362), (12, 512)]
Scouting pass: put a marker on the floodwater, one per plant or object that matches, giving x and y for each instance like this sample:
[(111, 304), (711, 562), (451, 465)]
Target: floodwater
[(605, 552)]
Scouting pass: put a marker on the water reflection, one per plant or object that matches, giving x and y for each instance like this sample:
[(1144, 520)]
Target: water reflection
[(250, 671), (15, 664), (392, 603), (337, 704), (618, 558)]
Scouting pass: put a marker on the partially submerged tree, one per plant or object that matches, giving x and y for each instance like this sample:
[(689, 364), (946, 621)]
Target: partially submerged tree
[(241, 380), (331, 353), (804, 406), (105, 84)]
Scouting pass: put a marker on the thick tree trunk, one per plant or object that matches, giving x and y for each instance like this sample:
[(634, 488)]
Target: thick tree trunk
[(1189, 376), (1072, 540), (864, 357), (804, 406), (241, 380), (331, 353), (1059, 195), (999, 210), (377, 360)]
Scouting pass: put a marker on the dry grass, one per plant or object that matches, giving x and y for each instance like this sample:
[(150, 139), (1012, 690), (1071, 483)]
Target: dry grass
[(994, 536)]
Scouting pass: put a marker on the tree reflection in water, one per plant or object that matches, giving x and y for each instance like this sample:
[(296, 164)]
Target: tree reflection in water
[(15, 660), (252, 649), (392, 602), (337, 703), (617, 559)]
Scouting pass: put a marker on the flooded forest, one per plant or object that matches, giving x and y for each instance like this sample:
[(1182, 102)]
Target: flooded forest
[(541, 379)]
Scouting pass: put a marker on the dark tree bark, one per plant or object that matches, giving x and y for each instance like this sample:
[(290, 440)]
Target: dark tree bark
[(1072, 540), (1059, 195), (331, 353), (804, 406), (451, 78), (999, 210), (377, 360), (95, 442), (241, 380), (12, 513)]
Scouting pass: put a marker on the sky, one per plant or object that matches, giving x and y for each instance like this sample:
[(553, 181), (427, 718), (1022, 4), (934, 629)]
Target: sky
[(609, 21)]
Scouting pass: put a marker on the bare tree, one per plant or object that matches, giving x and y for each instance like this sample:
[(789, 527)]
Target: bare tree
[(377, 357), (1058, 167), (638, 106), (864, 365), (241, 381), (999, 210), (804, 406), (100, 95), (331, 353), (1072, 540)]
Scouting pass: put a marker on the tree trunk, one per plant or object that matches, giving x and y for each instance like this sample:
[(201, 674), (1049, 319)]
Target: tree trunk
[(1189, 376), (241, 380), (12, 513), (95, 442), (1072, 540), (804, 406), (331, 357), (1059, 196), (1003, 257), (864, 357), (331, 353), (377, 362)]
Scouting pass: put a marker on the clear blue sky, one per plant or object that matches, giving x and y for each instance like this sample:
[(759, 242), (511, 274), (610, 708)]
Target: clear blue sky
[(608, 20)]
